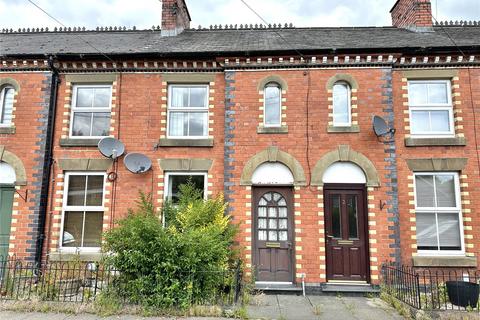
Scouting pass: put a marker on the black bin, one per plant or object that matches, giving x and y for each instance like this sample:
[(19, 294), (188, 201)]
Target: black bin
[(462, 293)]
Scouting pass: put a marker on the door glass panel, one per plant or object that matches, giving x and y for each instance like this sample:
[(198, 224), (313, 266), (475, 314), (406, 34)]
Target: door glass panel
[(282, 202), (282, 236), (282, 224), (352, 217), (282, 212), (272, 212), (262, 223), (336, 219), (262, 235), (272, 235), (276, 196), (262, 212), (272, 224), (268, 196)]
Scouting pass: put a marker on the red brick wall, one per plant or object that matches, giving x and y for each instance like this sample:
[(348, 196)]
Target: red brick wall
[(29, 107), (412, 13)]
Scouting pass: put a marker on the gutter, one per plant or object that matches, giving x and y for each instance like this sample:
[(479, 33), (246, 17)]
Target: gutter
[(48, 161)]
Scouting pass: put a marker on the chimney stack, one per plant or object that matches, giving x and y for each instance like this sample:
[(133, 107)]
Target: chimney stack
[(414, 15), (175, 17)]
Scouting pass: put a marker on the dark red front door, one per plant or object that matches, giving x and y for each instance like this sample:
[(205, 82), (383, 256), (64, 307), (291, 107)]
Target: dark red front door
[(273, 234), (346, 232)]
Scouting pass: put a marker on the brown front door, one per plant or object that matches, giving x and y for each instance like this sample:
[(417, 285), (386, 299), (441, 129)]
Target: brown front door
[(273, 234), (346, 232)]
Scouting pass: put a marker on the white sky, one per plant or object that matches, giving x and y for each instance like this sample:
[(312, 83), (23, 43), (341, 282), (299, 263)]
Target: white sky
[(145, 13)]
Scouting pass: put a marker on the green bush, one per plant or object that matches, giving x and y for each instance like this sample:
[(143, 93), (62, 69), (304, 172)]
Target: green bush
[(176, 265)]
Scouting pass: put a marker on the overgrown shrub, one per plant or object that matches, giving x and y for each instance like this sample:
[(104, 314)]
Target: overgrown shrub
[(176, 265)]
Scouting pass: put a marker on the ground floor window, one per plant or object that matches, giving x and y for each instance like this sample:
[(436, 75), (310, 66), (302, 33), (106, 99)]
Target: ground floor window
[(438, 213), (173, 180), (83, 209)]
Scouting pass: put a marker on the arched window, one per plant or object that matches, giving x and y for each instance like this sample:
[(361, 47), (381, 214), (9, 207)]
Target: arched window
[(6, 104), (272, 105), (341, 104)]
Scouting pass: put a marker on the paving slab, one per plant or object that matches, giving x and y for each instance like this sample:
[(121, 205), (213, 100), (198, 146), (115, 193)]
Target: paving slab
[(296, 307)]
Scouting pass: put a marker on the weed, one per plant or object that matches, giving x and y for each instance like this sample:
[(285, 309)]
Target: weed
[(317, 309), (107, 303)]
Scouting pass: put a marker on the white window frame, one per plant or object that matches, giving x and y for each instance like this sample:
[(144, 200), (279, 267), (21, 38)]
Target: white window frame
[(168, 174), (265, 106), (93, 110), (80, 209), (430, 107), (2, 104), (204, 110), (436, 211), (349, 99)]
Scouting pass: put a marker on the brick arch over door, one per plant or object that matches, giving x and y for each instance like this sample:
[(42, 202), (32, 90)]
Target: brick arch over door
[(346, 154), (273, 154), (17, 165)]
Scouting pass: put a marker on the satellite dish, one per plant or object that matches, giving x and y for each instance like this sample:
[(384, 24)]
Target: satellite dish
[(137, 162), (380, 127), (111, 147)]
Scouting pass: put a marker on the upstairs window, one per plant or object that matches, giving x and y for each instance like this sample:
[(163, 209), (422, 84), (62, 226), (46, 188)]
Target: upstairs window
[(83, 210), (91, 111), (438, 213), (6, 105), (272, 105), (431, 110), (188, 111), (341, 105)]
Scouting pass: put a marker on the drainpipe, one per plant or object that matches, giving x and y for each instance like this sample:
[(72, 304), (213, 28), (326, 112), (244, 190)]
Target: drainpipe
[(48, 162)]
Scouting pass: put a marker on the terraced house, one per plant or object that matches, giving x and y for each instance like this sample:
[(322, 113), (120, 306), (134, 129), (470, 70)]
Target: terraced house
[(277, 118)]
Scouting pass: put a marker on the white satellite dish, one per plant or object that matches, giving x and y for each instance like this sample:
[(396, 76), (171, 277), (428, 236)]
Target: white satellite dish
[(380, 127), (111, 147), (137, 162)]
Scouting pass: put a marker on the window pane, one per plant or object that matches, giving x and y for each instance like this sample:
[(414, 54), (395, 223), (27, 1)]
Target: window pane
[(81, 123), (179, 97), (177, 124), (424, 191), (273, 105), (440, 121), (101, 124), (93, 229), (197, 124), (76, 190), (175, 181), (84, 98), (417, 94), (198, 96), (426, 231), (352, 217), (340, 104), (449, 231), (437, 93), (7, 105), (336, 216), (102, 98), (445, 188), (420, 121), (72, 229), (94, 190)]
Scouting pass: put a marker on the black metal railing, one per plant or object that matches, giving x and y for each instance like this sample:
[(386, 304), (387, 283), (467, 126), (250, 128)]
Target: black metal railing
[(426, 288), (81, 282)]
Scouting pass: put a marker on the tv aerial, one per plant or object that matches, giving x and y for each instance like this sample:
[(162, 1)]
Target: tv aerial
[(111, 148), (381, 128), (137, 162)]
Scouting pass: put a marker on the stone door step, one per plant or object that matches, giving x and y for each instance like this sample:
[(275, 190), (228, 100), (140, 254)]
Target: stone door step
[(277, 288), (349, 288)]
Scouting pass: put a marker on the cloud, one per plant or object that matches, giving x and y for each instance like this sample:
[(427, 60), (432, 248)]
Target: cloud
[(145, 13)]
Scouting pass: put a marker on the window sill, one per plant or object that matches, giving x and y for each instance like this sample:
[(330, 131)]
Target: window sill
[(272, 130), (7, 130), (444, 261), (423, 142), (83, 142), (352, 129), (169, 142), (72, 256)]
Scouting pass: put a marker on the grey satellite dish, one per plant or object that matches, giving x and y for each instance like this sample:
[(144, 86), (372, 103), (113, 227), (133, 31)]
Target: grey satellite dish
[(137, 162), (380, 127), (111, 147)]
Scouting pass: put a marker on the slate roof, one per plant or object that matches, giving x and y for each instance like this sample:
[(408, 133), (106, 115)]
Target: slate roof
[(229, 41)]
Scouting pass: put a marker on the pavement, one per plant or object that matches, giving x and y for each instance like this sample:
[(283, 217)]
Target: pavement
[(265, 307)]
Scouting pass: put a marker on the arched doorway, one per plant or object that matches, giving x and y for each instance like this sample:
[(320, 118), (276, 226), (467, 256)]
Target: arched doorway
[(273, 223), (346, 225), (7, 189)]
